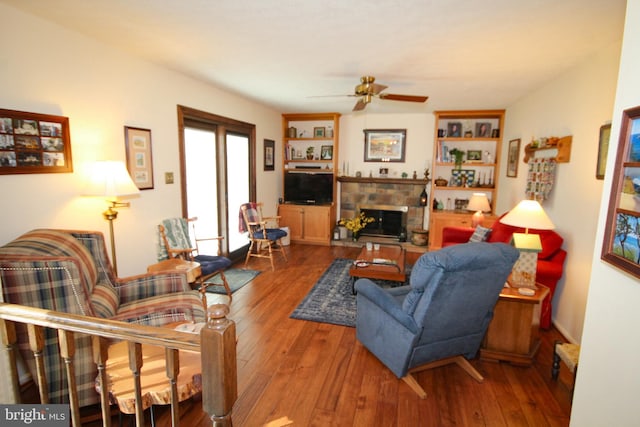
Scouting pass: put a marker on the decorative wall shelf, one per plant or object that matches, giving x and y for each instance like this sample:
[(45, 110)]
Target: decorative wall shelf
[(563, 147)]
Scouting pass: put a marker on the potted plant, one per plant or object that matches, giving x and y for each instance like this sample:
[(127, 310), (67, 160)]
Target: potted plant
[(356, 224), (457, 156)]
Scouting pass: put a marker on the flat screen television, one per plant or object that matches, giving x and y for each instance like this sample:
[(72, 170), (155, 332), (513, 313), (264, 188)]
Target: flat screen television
[(311, 188)]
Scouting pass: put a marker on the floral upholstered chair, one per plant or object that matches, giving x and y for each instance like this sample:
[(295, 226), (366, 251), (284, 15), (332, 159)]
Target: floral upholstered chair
[(69, 271)]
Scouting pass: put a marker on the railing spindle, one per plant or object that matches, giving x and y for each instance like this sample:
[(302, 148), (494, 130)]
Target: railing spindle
[(135, 364), (173, 370), (9, 340), (68, 351), (36, 345), (100, 356)]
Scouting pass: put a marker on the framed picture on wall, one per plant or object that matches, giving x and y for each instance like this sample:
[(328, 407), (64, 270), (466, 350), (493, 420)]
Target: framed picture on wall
[(384, 145), (621, 246), (603, 148), (139, 160), (34, 143), (269, 154), (512, 158)]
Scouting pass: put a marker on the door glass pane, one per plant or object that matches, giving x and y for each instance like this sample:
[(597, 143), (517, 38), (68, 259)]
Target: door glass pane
[(202, 195), (237, 151)]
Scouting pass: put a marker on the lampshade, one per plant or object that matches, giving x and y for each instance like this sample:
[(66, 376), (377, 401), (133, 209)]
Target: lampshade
[(528, 214), (479, 202), (110, 179)]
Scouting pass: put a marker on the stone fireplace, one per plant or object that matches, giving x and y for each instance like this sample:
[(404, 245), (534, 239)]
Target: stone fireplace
[(395, 195)]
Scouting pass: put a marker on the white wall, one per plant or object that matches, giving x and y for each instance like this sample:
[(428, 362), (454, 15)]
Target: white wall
[(608, 383), (47, 69), (419, 143), (575, 103)]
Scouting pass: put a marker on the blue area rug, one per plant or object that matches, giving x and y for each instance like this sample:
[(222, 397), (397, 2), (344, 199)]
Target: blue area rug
[(236, 278), (330, 300)]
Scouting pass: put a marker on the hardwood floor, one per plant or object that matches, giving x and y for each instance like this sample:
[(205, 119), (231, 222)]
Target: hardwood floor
[(300, 373)]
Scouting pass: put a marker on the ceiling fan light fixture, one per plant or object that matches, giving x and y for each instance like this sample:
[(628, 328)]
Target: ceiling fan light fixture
[(368, 89)]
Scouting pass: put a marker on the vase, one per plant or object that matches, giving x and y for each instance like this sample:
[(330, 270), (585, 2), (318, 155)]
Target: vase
[(355, 236)]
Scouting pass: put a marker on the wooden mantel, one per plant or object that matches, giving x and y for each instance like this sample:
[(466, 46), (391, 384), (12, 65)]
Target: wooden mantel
[(406, 181)]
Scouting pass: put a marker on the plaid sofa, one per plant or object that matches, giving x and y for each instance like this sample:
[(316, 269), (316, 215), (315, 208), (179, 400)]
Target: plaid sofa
[(69, 271)]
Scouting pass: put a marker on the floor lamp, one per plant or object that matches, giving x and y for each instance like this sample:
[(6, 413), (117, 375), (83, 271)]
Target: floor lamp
[(110, 180), (527, 214)]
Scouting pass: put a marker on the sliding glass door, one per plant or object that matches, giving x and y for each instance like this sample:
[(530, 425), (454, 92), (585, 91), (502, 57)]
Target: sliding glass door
[(217, 156), (238, 179)]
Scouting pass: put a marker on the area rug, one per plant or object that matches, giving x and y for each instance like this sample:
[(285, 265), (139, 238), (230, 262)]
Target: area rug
[(236, 278), (330, 300)]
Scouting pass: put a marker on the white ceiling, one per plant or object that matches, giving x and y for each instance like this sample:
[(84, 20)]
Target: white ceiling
[(463, 54)]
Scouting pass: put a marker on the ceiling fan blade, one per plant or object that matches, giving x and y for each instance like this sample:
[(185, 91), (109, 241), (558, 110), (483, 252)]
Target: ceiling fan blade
[(375, 88), (410, 98), (332, 96), (360, 105)]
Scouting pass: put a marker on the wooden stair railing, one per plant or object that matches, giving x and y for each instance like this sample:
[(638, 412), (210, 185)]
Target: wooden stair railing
[(216, 344)]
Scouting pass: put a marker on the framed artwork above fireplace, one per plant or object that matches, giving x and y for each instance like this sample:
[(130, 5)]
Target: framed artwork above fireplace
[(384, 145)]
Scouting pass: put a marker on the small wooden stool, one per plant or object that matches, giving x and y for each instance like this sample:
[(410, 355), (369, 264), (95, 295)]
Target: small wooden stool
[(569, 354)]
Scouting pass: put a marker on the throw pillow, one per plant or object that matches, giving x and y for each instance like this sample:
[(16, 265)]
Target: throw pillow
[(481, 234)]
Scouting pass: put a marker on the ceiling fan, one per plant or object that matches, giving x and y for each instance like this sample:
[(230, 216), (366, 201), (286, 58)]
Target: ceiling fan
[(368, 89)]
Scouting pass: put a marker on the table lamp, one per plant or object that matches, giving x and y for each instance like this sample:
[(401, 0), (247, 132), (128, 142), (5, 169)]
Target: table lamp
[(527, 214), (110, 180), (478, 203)]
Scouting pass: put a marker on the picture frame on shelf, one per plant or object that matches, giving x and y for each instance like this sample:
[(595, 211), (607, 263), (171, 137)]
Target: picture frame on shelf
[(34, 143), (269, 154), (318, 132), (139, 156), (483, 130), (474, 155), (326, 152), (513, 153), (619, 246), (384, 145), (463, 177), (603, 148), (454, 129), (461, 204)]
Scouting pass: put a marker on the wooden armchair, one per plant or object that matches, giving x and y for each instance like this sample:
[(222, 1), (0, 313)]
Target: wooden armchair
[(264, 240), (175, 236)]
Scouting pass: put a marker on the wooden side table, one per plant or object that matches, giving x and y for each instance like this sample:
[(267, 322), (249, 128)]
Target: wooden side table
[(156, 388), (192, 268), (514, 332)]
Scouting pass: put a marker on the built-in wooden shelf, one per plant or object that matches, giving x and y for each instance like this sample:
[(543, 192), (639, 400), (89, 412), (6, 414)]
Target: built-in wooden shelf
[(364, 180)]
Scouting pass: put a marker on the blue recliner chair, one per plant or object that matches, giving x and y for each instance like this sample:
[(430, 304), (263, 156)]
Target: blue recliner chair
[(441, 317)]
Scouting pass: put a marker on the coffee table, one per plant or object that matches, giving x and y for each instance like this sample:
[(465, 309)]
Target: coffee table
[(385, 263)]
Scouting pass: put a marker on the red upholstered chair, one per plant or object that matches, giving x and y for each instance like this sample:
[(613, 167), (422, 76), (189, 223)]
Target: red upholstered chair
[(550, 260)]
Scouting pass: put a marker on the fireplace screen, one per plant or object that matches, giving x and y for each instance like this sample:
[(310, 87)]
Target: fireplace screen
[(389, 221)]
